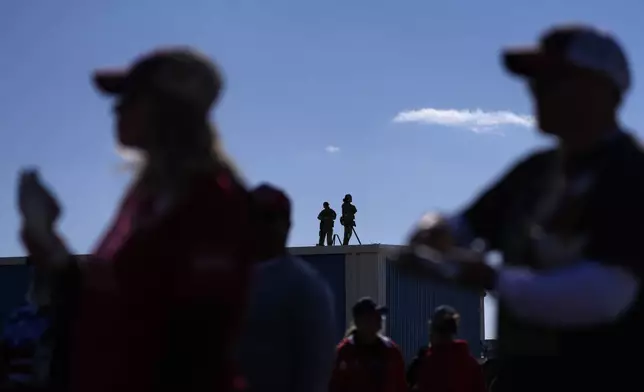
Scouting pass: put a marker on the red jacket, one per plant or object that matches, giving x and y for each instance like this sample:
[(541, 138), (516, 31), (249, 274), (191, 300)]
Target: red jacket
[(374, 368), (450, 367), (163, 295)]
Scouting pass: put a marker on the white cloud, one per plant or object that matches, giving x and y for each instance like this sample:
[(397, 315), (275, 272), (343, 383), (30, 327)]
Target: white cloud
[(332, 149), (478, 121)]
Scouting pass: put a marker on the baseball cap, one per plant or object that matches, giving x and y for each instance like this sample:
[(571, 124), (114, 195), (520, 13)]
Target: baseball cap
[(445, 317), (572, 47), (366, 305), (180, 72), (271, 202)]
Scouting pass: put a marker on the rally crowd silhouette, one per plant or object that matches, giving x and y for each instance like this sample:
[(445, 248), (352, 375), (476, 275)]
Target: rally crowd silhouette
[(193, 289)]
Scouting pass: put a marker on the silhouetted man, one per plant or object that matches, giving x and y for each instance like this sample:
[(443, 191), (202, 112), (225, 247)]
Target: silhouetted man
[(568, 222), (288, 337), (348, 218), (327, 220), (367, 360)]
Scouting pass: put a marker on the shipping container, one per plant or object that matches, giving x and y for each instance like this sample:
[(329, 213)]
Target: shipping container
[(363, 270)]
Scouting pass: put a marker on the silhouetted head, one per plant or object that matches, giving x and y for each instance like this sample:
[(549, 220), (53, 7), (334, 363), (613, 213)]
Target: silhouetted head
[(162, 104), (273, 220), (577, 77), (325, 204), (444, 323), (367, 317), (347, 198)]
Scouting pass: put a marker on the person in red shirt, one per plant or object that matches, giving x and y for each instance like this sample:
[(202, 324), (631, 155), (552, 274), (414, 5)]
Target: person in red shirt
[(160, 299), (448, 365), (366, 360)]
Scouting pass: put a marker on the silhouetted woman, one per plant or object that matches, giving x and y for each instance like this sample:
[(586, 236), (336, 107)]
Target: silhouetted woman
[(160, 297)]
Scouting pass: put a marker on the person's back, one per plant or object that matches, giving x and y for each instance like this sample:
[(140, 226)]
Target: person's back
[(327, 216), (288, 341), (155, 330), (327, 219), (449, 367)]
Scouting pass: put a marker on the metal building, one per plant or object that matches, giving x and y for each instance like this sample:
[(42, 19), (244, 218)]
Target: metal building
[(353, 272), (363, 270)]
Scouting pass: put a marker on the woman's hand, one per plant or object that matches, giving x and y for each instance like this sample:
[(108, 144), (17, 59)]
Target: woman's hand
[(39, 209)]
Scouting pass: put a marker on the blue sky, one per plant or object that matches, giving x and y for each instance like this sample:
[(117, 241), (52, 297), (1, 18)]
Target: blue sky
[(302, 76)]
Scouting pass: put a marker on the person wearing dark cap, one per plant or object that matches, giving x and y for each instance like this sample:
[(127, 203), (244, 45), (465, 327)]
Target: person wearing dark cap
[(327, 220), (348, 218), (161, 296), (448, 366), (288, 338), (366, 360), (568, 222)]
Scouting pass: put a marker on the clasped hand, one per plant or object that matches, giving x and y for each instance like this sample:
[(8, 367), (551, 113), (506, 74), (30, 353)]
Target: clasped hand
[(470, 269), (39, 209)]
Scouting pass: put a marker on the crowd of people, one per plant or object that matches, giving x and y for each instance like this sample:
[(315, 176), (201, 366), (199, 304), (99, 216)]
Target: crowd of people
[(192, 287)]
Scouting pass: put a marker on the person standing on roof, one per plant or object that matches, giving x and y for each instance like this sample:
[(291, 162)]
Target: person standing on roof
[(288, 338), (367, 360), (569, 222), (348, 218), (327, 220), (447, 365)]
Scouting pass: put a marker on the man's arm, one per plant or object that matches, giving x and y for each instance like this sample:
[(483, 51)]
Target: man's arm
[(586, 293), (596, 290), (315, 347)]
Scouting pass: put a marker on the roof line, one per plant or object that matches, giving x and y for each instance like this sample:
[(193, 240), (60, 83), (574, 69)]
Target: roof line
[(340, 250)]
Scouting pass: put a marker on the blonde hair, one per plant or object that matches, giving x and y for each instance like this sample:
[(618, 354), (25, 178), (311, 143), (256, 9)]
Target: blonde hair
[(205, 153)]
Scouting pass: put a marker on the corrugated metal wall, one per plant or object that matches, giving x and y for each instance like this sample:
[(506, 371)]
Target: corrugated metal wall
[(365, 277), (332, 268), (411, 302), (13, 286)]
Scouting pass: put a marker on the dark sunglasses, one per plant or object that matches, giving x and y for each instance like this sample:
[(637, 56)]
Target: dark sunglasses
[(552, 78)]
